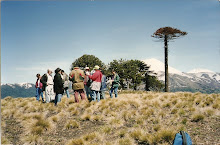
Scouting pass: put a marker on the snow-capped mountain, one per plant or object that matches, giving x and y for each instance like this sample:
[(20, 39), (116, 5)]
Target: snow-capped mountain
[(25, 85), (17, 90), (203, 80)]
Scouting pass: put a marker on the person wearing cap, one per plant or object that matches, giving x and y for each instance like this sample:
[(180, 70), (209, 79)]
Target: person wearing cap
[(65, 78), (77, 77), (96, 84), (87, 83), (58, 86), (47, 81), (39, 86), (115, 84)]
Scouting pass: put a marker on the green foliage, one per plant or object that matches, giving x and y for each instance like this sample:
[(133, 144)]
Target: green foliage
[(133, 73), (87, 61), (153, 84)]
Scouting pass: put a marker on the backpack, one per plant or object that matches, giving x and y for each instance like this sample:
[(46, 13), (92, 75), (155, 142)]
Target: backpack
[(182, 138)]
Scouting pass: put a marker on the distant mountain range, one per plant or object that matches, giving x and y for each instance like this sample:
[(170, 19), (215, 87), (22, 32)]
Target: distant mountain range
[(196, 80), (18, 90), (21, 90)]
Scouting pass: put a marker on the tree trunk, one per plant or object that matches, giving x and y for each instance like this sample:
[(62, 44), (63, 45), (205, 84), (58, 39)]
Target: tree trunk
[(166, 65)]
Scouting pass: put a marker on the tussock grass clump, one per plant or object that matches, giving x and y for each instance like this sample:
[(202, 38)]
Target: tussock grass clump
[(215, 106), (133, 103), (182, 112), (37, 130), (136, 134), (7, 99), (115, 122), (197, 117), (208, 101), (122, 133), (40, 126), (174, 102), (23, 104), (174, 111), (106, 129), (4, 140), (72, 124), (184, 121), (96, 118), (157, 128), (125, 141), (31, 139), (54, 118), (76, 142), (140, 120), (86, 116), (209, 112), (162, 136), (90, 136)]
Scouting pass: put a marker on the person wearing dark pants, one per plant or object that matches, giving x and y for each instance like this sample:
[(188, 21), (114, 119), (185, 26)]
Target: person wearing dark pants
[(115, 84), (39, 91), (58, 86)]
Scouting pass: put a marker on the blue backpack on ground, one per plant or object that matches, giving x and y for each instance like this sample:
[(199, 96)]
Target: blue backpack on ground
[(182, 138)]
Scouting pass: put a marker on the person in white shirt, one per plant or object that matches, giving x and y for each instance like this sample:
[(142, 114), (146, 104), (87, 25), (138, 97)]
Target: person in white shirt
[(47, 81)]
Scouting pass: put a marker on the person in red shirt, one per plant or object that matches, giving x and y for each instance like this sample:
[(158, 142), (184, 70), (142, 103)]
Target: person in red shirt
[(39, 91), (96, 84)]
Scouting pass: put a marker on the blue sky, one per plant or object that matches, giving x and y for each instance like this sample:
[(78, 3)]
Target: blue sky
[(38, 35)]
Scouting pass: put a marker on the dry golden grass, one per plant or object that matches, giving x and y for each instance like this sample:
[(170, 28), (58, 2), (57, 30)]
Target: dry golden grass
[(132, 118)]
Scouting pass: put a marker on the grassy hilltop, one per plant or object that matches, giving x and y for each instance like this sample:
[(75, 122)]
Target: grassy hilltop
[(132, 118)]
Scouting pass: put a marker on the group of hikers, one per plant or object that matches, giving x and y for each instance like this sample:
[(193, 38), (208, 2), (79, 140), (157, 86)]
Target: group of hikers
[(93, 84)]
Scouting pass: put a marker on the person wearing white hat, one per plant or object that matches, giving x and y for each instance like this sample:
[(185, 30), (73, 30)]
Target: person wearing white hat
[(96, 84)]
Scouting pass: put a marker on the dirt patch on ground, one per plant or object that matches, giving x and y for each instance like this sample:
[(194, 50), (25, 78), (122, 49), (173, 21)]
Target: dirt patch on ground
[(13, 130)]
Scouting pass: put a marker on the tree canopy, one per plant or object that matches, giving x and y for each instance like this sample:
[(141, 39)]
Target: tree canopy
[(132, 72), (87, 61), (169, 32)]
